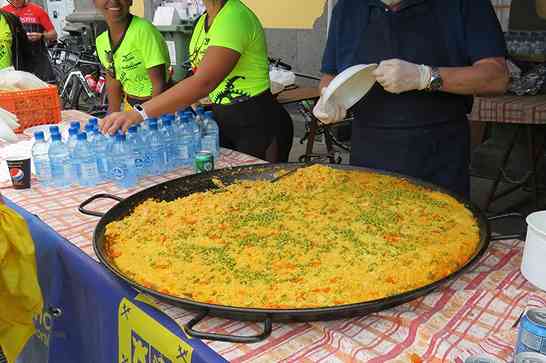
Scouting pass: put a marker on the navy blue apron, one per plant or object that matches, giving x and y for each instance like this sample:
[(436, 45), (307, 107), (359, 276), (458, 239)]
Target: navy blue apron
[(419, 134)]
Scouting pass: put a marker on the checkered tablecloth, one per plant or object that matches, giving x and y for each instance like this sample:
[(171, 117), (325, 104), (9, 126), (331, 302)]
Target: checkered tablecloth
[(510, 109), (473, 315)]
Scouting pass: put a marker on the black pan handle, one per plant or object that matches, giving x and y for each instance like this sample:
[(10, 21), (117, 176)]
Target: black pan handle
[(268, 326), (509, 236), (85, 203)]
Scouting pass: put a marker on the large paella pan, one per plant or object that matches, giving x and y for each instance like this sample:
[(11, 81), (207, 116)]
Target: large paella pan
[(150, 206)]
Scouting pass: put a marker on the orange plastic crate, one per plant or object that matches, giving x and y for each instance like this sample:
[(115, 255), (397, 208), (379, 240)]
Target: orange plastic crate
[(33, 107)]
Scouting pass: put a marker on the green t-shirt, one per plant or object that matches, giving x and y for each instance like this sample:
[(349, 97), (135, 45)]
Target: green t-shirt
[(5, 43), (142, 48), (235, 27)]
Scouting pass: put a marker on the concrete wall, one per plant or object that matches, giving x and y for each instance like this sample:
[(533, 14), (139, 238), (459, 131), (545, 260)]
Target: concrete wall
[(300, 48)]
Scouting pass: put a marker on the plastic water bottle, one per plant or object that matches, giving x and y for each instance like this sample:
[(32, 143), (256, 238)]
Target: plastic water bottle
[(200, 117), (122, 165), (184, 142), (90, 130), (156, 150), (138, 148), (169, 141), (210, 140), (196, 132), (41, 159), (59, 158), (71, 144), (72, 138), (86, 161), (145, 132), (100, 146)]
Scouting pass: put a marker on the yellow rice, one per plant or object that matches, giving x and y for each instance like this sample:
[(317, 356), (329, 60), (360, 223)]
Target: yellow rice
[(321, 237)]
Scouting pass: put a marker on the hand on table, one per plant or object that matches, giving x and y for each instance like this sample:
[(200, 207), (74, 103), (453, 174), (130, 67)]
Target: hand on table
[(119, 121), (328, 112), (34, 37), (397, 76)]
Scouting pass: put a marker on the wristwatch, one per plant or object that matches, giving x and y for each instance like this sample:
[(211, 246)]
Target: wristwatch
[(138, 108), (436, 81)]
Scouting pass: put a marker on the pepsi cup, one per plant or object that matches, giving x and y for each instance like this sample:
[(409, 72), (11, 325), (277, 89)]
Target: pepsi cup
[(19, 170)]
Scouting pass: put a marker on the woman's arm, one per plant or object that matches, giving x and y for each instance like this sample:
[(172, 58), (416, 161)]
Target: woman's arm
[(114, 92), (216, 65), (157, 76)]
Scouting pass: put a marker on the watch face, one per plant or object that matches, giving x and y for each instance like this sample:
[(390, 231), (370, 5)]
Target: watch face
[(436, 83)]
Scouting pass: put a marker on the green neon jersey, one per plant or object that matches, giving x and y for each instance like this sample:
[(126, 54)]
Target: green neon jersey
[(142, 48), (235, 27), (5, 43)]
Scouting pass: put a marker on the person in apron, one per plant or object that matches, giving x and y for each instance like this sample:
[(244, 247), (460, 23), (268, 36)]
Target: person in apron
[(433, 56)]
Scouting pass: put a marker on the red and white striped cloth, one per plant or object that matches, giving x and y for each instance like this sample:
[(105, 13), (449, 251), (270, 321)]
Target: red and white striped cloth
[(474, 314)]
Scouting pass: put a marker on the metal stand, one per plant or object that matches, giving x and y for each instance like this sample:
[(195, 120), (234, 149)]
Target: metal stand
[(531, 175)]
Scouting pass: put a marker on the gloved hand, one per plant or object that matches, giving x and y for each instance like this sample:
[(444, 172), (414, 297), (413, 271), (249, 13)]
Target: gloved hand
[(397, 76), (328, 112)]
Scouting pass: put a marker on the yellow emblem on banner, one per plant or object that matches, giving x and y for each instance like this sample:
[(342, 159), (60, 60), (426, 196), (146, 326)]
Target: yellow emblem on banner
[(144, 340)]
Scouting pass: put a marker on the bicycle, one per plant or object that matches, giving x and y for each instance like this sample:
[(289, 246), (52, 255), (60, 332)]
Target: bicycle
[(83, 83), (314, 128)]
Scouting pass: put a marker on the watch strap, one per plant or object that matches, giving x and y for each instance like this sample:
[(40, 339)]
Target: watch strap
[(436, 82), (138, 108)]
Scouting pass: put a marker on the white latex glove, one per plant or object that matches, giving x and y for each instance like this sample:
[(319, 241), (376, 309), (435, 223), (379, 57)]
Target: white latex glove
[(328, 112), (397, 76)]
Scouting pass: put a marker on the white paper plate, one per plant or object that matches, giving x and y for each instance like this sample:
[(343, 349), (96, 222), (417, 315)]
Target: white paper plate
[(45, 128), (348, 87)]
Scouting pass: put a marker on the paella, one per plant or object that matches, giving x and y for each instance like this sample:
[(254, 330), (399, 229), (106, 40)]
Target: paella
[(320, 237)]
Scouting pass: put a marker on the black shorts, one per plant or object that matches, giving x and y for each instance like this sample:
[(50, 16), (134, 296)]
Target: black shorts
[(254, 125)]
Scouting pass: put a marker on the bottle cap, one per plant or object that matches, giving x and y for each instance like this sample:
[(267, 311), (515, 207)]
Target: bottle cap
[(82, 136), (73, 131), (75, 124), (56, 137), (89, 127), (93, 121), (153, 125), (133, 129), (209, 114), (53, 130), (120, 137), (167, 122), (39, 136)]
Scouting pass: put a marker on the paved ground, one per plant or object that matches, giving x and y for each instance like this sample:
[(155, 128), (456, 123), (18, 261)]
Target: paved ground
[(520, 201)]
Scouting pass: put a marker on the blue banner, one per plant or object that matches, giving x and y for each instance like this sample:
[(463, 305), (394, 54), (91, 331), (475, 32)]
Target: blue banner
[(83, 304)]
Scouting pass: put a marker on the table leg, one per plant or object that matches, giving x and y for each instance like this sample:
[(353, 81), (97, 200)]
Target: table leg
[(505, 157), (329, 146), (313, 126)]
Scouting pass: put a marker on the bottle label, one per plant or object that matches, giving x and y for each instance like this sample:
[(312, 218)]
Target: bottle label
[(118, 173), (42, 169), (88, 170), (140, 163)]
